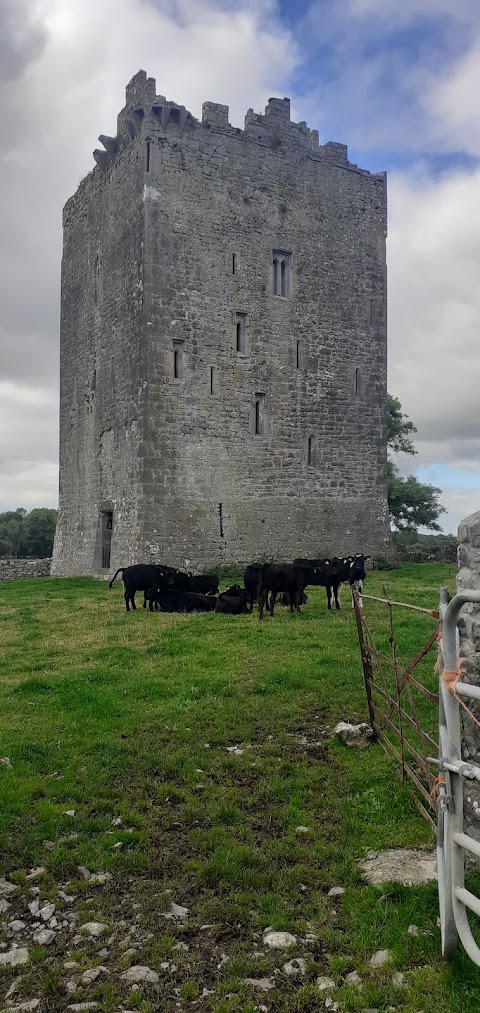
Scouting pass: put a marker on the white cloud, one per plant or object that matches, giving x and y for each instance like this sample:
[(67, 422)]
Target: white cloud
[(64, 65)]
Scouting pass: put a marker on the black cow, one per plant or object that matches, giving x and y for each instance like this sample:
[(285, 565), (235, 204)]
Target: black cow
[(355, 568), (178, 601), (204, 583), (140, 577), (275, 577), (251, 580), (233, 601)]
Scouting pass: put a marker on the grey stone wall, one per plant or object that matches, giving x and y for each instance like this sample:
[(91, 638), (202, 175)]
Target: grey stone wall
[(18, 569), (168, 244), (469, 627)]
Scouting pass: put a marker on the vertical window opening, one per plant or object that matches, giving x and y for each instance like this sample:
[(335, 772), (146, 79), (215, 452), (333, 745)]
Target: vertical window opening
[(259, 414), (147, 159), (275, 276), (213, 378), (310, 450), (299, 354), (178, 360), (220, 516), (357, 382), (240, 332), (234, 263), (282, 263), (106, 529)]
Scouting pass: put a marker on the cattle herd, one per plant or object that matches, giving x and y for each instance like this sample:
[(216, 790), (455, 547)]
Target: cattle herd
[(171, 590)]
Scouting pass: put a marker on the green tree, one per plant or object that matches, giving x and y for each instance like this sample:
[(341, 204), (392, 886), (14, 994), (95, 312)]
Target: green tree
[(25, 534), (39, 532), (412, 504)]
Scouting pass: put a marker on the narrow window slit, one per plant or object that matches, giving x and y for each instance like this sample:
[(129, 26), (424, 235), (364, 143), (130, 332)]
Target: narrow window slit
[(259, 414), (357, 382), (240, 332), (178, 359), (299, 354), (220, 515), (213, 372), (234, 263), (147, 167), (283, 272), (310, 450)]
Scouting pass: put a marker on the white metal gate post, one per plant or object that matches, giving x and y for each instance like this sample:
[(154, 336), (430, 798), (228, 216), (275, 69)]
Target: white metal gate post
[(454, 898)]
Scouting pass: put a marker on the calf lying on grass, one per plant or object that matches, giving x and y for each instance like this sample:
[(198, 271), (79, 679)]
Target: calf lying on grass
[(178, 601), (233, 601)]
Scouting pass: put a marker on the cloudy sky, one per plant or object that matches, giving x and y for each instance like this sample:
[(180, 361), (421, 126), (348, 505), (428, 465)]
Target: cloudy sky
[(397, 82)]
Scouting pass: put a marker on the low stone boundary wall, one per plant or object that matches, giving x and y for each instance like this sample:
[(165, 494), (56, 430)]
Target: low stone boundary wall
[(19, 569)]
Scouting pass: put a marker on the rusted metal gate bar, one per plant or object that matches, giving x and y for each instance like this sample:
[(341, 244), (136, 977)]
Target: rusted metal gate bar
[(389, 717)]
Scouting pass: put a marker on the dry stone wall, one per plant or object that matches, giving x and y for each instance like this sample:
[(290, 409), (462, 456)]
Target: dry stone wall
[(469, 628), (19, 569), (223, 344)]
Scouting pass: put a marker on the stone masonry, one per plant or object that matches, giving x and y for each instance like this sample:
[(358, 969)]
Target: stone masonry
[(468, 578), (223, 344), (21, 569)]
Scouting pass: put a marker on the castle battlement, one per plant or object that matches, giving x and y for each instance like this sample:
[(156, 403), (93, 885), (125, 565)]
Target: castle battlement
[(144, 110)]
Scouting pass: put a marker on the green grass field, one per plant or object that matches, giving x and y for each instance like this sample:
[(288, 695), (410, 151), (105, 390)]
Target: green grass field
[(131, 716)]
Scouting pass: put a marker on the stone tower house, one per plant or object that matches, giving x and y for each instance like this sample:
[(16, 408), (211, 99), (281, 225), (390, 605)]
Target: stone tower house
[(223, 344)]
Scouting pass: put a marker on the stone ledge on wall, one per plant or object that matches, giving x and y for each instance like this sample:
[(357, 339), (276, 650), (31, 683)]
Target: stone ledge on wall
[(20, 569)]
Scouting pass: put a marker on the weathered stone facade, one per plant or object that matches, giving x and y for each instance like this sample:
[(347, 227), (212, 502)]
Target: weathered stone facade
[(20, 569), (223, 344), (468, 579)]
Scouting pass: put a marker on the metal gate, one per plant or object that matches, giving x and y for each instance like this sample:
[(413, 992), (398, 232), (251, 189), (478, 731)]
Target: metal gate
[(400, 705), (399, 729)]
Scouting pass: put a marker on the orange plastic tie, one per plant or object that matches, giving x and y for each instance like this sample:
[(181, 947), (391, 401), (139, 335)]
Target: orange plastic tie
[(451, 679), (438, 780)]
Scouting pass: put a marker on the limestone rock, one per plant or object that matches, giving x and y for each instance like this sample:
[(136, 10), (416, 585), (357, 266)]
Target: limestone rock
[(93, 973), (44, 937), (176, 911), (398, 979), (325, 984), (354, 736), (353, 978), (14, 957), (279, 940), (35, 873), (82, 1007), (47, 912), (93, 929), (336, 891), (6, 888), (139, 973), (26, 1007), (380, 958), (400, 865), (4, 906), (264, 984), (6, 762), (16, 925)]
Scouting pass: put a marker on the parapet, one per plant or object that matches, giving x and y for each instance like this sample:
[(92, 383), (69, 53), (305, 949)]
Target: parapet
[(145, 111)]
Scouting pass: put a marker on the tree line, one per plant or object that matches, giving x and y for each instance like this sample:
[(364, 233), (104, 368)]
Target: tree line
[(27, 535), (412, 504)]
